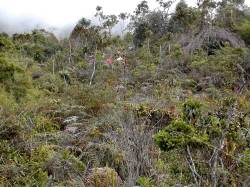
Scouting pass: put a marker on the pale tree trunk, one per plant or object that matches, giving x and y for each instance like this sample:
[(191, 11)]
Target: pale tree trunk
[(160, 52), (94, 69), (70, 51), (191, 164), (214, 160), (53, 66)]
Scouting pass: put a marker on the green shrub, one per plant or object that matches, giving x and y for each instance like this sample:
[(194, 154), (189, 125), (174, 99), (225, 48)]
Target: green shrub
[(17, 169), (39, 44), (50, 83), (145, 182), (177, 134), (13, 79), (7, 70), (244, 30), (43, 124), (5, 43), (191, 111), (144, 72), (92, 98), (7, 103), (221, 68)]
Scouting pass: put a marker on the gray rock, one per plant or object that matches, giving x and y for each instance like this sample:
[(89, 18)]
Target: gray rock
[(72, 130), (71, 119)]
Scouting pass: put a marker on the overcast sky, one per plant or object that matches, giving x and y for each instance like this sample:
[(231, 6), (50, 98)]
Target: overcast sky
[(60, 13)]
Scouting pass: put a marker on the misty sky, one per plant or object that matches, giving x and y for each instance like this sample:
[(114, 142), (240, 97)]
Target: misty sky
[(62, 12), (59, 13), (20, 14)]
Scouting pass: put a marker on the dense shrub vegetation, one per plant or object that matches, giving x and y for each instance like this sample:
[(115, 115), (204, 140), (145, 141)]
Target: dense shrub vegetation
[(166, 103)]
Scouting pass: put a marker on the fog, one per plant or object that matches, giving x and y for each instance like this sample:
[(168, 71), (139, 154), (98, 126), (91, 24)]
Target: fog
[(58, 16), (12, 24)]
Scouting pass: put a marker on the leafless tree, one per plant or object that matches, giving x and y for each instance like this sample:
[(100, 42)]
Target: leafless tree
[(136, 143)]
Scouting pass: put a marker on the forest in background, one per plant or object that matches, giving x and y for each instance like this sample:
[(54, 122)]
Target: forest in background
[(165, 103)]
